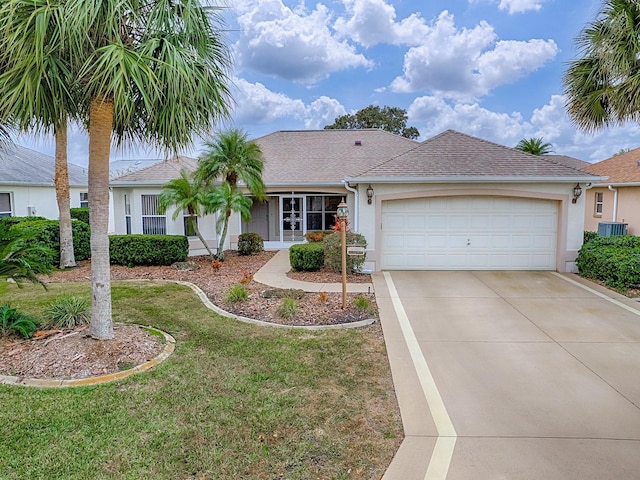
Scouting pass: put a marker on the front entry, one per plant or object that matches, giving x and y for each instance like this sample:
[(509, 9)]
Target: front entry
[(292, 218)]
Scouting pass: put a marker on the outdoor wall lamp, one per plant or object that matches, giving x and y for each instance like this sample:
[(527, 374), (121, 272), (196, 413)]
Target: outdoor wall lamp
[(577, 191), (369, 194)]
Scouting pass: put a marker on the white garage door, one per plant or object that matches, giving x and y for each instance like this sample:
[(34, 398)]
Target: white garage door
[(469, 233)]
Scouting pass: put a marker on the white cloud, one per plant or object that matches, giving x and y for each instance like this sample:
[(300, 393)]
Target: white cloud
[(323, 111), (468, 63), (256, 104), (294, 45), (373, 22), (520, 6)]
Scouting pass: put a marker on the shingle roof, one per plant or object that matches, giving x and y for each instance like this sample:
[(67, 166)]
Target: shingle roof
[(22, 166), (326, 156), (117, 168), (453, 154), (158, 173), (621, 168)]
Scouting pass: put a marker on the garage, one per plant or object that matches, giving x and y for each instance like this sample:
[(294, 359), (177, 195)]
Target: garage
[(469, 233)]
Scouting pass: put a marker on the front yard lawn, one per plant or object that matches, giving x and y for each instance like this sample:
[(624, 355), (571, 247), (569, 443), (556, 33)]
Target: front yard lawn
[(234, 401)]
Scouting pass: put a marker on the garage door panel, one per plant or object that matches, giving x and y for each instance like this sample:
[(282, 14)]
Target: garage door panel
[(469, 233)]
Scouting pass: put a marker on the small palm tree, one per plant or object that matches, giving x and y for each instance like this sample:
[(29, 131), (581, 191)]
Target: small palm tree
[(185, 193), (534, 146), (227, 199), (21, 259), (231, 158)]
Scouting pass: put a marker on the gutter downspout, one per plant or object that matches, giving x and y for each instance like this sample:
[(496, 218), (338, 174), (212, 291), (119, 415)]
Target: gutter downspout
[(615, 203), (356, 207)]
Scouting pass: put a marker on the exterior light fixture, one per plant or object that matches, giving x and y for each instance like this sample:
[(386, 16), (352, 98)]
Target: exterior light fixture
[(369, 194), (577, 191), (342, 213)]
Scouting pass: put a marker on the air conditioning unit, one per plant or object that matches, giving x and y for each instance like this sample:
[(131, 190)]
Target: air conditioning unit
[(608, 229)]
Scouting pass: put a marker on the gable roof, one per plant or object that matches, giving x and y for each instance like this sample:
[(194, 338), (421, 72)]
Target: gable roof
[(455, 156), (23, 166), (325, 157), (157, 173), (117, 168), (623, 168)]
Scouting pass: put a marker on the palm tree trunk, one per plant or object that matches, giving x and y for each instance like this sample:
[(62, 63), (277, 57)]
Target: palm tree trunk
[(67, 255), (197, 230), (100, 127), (220, 252)]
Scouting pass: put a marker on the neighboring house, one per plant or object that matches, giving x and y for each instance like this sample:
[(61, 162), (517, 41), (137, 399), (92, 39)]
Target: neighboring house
[(617, 198), (27, 183), (451, 202)]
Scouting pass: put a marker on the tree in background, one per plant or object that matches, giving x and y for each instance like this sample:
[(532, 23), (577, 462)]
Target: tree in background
[(534, 146), (602, 86), (37, 90), (390, 119)]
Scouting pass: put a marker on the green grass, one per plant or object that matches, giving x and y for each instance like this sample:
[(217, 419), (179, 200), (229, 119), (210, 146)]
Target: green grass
[(234, 401)]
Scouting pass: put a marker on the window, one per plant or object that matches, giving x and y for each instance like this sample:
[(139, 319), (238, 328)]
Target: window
[(127, 214), (321, 211), (152, 222), (189, 229), (84, 200), (5, 205), (599, 203)]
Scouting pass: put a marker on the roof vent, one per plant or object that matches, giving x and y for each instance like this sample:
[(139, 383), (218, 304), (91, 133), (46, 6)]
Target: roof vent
[(358, 143)]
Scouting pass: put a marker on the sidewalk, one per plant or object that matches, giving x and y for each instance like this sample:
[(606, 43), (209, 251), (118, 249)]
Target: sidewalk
[(274, 274)]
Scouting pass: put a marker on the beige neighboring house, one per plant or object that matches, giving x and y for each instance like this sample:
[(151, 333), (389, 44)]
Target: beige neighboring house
[(453, 202), (617, 198), (27, 184)]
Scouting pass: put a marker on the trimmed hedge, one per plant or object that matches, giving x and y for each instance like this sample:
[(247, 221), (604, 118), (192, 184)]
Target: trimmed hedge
[(308, 257), (81, 213), (333, 252), (613, 260), (7, 222), (250, 243), (131, 250), (588, 236), (47, 233)]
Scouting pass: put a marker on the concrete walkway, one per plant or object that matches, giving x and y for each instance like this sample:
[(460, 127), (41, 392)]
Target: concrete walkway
[(274, 274)]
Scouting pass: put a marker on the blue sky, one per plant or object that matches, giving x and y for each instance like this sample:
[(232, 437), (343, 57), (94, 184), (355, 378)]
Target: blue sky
[(489, 68)]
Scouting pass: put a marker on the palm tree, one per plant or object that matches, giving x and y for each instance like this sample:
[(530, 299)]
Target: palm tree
[(231, 158), (152, 70), (185, 193), (227, 199), (20, 259), (534, 146), (602, 87), (36, 92)]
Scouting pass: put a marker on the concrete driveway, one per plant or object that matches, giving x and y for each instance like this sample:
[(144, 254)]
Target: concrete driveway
[(512, 375)]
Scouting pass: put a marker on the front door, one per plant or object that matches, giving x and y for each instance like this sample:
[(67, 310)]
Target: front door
[(292, 219), (259, 222)]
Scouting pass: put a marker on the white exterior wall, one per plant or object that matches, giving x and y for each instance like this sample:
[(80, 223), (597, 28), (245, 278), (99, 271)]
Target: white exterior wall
[(207, 225), (570, 216), (43, 198)]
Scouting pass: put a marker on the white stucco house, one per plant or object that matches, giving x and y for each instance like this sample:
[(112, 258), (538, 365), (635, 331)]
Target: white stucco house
[(27, 184), (451, 202)]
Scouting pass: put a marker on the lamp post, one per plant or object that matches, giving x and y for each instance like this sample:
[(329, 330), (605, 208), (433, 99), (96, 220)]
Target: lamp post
[(342, 213)]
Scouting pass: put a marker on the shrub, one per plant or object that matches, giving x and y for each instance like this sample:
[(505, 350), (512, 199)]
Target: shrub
[(68, 312), (47, 233), (306, 257), (250, 244), (333, 253), (613, 260), (237, 293), (287, 309), (7, 222), (131, 250), (317, 235), (14, 322), (588, 236), (81, 213)]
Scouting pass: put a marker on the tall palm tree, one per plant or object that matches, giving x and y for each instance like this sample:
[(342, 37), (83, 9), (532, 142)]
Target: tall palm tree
[(151, 70), (534, 146), (36, 90), (227, 199), (230, 158), (185, 193), (602, 87)]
